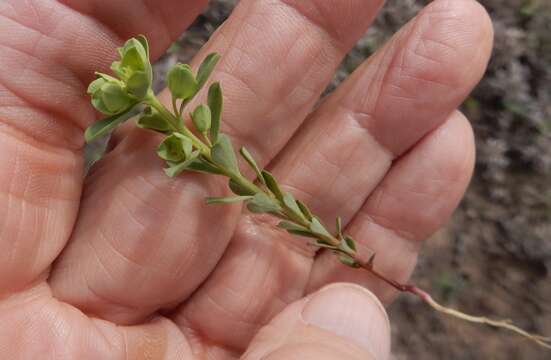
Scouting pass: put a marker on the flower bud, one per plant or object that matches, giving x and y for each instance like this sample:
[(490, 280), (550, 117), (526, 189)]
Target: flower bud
[(134, 68), (175, 148), (134, 55), (115, 98), (201, 118), (109, 95), (138, 84), (151, 119), (181, 81)]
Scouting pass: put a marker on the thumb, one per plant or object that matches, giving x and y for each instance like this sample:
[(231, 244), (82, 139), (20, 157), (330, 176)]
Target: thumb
[(340, 321)]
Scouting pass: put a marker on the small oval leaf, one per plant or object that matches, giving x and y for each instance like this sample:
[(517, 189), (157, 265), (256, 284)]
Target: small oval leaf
[(215, 104), (201, 118), (348, 261), (289, 225), (181, 81), (177, 169), (291, 204), (348, 245), (223, 154), (227, 199), (262, 203), (138, 84), (305, 210), (206, 68), (252, 163), (151, 119), (104, 126), (143, 40), (272, 185), (317, 228), (204, 166), (302, 233), (237, 189)]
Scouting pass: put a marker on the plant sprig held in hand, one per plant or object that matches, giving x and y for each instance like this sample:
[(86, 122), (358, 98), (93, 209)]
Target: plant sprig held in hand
[(206, 150)]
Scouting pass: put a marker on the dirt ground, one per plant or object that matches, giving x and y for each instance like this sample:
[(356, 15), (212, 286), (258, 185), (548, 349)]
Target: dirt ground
[(494, 257)]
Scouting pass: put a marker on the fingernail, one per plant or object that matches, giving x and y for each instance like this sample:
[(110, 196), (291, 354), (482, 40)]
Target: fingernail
[(352, 312)]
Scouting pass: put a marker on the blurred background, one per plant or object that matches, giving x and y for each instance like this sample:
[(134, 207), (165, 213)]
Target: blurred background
[(494, 257)]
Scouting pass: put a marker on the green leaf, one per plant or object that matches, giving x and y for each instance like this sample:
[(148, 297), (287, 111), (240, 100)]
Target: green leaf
[(201, 118), (107, 78), (177, 169), (296, 229), (227, 199), (117, 68), (96, 85), (237, 189), (134, 68), (307, 213), (262, 203), (206, 68), (317, 228), (271, 184), (143, 40), (348, 244), (252, 163), (289, 225), (291, 204), (153, 120), (323, 244), (302, 233), (134, 55), (175, 147), (94, 90), (222, 154), (348, 261), (204, 166), (215, 104), (113, 98), (104, 126), (181, 81), (138, 84)]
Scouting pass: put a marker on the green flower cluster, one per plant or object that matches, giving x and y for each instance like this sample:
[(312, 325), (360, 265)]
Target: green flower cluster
[(203, 148), (112, 96), (127, 94)]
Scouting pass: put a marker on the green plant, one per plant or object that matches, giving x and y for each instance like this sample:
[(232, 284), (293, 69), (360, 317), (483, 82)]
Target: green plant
[(205, 149)]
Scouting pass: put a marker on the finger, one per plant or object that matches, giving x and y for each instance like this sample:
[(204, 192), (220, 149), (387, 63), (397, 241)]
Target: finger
[(155, 242), (335, 162), (49, 52), (341, 321), (415, 199), (408, 88), (161, 21), (41, 327), (71, 46)]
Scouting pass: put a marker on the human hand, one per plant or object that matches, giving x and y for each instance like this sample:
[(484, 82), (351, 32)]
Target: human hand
[(131, 264)]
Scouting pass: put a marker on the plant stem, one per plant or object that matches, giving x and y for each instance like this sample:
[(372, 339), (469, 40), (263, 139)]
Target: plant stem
[(177, 125), (332, 242), (427, 299), (175, 108)]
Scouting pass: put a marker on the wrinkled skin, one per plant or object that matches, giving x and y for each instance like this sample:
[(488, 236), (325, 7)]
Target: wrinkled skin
[(129, 264)]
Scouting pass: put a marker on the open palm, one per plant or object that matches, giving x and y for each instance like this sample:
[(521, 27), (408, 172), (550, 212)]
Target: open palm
[(130, 264)]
